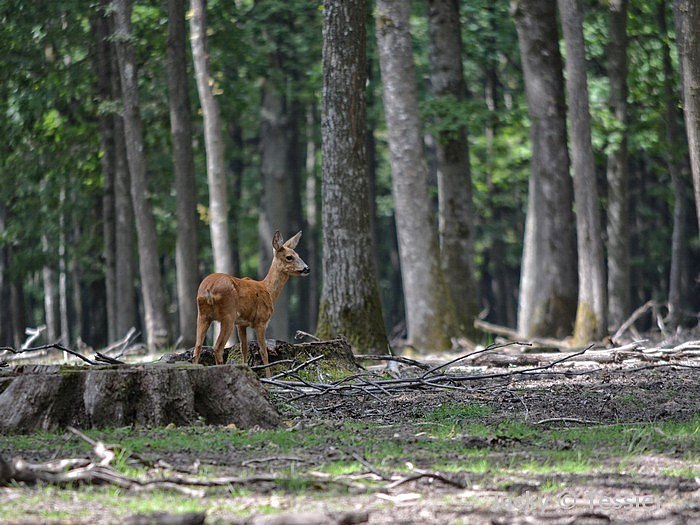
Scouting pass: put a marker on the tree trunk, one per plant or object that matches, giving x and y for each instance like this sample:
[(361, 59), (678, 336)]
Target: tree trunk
[(547, 296), (430, 314), (103, 69), (687, 22), (63, 270), (51, 300), (592, 312), (151, 284), (50, 397), (617, 173), (125, 267), (213, 140), (456, 219), (274, 212), (350, 303), (312, 221), (183, 164), (679, 284), (6, 338)]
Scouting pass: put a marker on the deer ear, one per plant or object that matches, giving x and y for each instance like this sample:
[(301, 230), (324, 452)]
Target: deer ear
[(293, 241), (277, 241)]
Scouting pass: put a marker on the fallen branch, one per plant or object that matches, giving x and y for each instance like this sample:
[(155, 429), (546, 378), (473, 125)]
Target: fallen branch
[(396, 358), (567, 420), (504, 331), (632, 319), (430, 475), (52, 346)]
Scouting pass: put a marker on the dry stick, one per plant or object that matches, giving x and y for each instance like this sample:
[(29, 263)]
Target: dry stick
[(471, 354), (398, 359), (370, 467), (106, 359), (432, 475), (632, 319), (298, 367), (300, 334), (273, 458), (567, 420), (56, 346)]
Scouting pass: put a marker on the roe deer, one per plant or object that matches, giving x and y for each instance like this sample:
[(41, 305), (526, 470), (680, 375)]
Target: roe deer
[(244, 302)]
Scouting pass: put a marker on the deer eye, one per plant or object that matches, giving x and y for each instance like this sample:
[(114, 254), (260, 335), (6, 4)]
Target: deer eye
[(289, 258)]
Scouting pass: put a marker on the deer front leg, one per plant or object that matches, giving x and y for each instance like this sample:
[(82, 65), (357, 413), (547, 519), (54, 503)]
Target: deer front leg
[(260, 332), (243, 338)]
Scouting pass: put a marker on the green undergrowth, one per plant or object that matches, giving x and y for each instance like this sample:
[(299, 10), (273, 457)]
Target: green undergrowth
[(327, 459), (459, 438)]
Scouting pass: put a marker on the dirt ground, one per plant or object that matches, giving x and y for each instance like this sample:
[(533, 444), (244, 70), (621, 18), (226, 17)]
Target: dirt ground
[(653, 488)]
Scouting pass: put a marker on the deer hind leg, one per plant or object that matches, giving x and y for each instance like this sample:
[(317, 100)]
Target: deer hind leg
[(260, 332), (243, 338), (203, 323), (224, 334)]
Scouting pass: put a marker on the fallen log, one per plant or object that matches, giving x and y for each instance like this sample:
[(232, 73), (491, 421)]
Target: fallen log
[(43, 397)]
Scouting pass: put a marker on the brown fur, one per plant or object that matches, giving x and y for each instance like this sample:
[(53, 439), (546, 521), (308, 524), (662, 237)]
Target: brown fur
[(245, 302)]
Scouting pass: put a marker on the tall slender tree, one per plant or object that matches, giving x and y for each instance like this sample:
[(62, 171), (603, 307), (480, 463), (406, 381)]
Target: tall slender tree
[(676, 162), (454, 177), (617, 172), (183, 164), (102, 59), (430, 313), (592, 311), (687, 17), (149, 267), (547, 295), (350, 303), (275, 144), (213, 140)]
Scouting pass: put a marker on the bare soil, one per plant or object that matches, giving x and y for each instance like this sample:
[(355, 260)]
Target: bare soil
[(653, 486)]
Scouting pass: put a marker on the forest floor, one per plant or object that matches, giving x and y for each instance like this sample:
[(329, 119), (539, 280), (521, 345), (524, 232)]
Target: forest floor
[(617, 444)]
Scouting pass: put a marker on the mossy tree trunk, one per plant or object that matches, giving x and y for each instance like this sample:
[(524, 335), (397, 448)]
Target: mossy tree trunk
[(350, 303), (619, 291), (547, 297), (454, 176), (592, 313)]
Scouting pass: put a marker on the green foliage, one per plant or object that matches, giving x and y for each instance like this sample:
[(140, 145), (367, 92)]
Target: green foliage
[(51, 183)]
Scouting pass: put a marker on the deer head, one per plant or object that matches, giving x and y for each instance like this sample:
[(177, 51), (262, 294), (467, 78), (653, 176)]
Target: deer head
[(287, 259)]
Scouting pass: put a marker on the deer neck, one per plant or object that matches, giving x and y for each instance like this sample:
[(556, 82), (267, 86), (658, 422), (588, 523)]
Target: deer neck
[(275, 280)]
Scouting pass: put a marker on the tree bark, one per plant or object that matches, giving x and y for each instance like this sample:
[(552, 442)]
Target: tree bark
[(149, 269), (213, 140), (455, 208), (679, 279), (6, 338), (430, 315), (274, 212), (103, 68), (52, 316), (617, 172), (687, 17), (350, 303), (183, 164), (548, 282), (311, 221), (592, 312), (50, 397)]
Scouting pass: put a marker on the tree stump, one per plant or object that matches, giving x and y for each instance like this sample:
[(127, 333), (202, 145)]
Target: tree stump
[(44, 397), (337, 355)]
